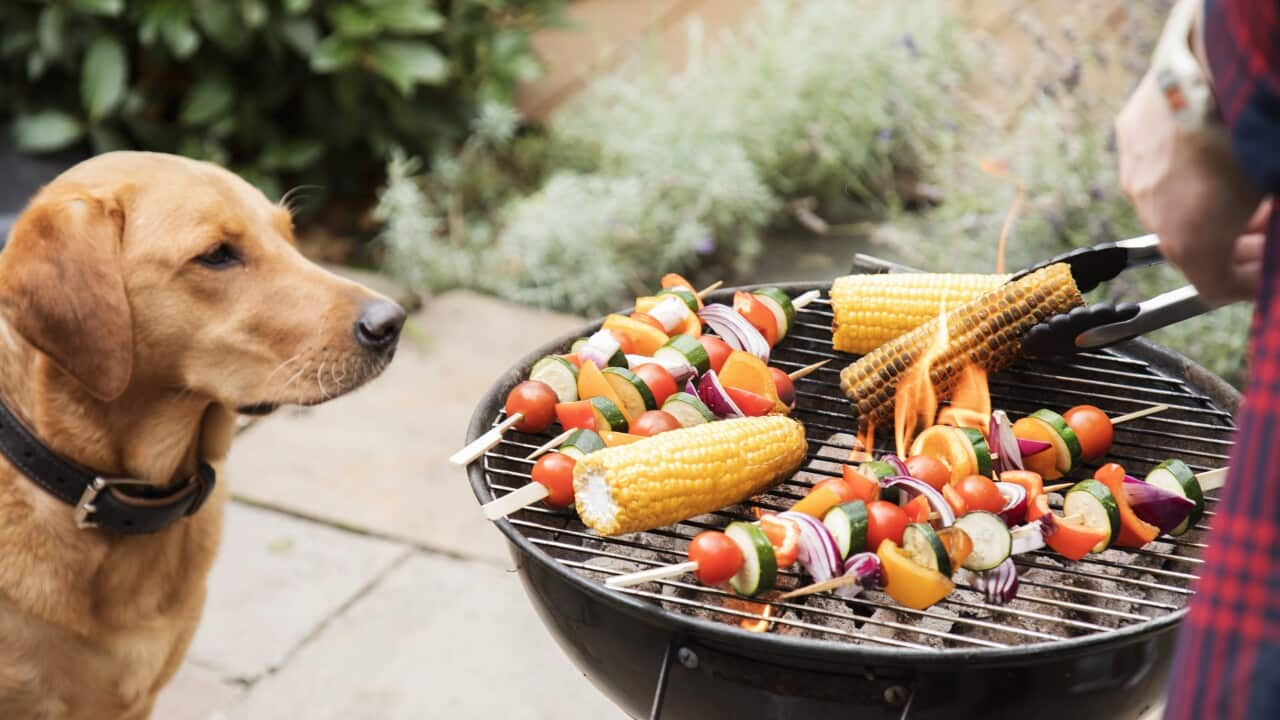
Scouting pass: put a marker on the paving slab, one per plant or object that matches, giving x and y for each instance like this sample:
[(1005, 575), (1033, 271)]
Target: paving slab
[(378, 459), (277, 579), (424, 644), (195, 693)]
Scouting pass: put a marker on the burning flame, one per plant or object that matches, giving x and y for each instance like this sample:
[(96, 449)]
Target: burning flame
[(999, 169), (765, 612), (864, 445), (970, 401), (915, 402)]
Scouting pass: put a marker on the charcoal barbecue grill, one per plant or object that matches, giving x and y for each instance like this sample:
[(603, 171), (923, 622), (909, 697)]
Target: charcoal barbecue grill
[(1083, 639)]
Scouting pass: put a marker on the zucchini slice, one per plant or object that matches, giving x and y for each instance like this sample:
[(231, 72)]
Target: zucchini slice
[(1097, 508), (688, 410), (686, 349), (559, 374), (759, 566), (848, 525), (992, 542), (1176, 477), (690, 300), (608, 415), (923, 545), (635, 394), (779, 303), (581, 443), (981, 451), (1063, 438)]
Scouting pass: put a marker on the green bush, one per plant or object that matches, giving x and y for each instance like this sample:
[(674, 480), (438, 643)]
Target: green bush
[(823, 102), (278, 90)]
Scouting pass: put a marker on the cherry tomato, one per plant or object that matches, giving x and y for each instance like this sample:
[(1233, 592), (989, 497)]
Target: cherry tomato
[(555, 472), (717, 349), (660, 382), (648, 319), (654, 422), (536, 401), (885, 521), (786, 388), (784, 536), (1093, 428), (929, 469), (718, 556), (980, 493)]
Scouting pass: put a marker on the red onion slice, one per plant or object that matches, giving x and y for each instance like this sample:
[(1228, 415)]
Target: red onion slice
[(1031, 447), (866, 566), (896, 463), (1030, 536), (1155, 505), (1000, 584), (818, 553), (1008, 451), (599, 348), (914, 487), (735, 330), (713, 394), (1015, 503), (679, 370)]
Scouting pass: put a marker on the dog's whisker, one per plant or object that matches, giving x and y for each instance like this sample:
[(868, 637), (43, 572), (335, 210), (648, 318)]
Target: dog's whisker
[(280, 367)]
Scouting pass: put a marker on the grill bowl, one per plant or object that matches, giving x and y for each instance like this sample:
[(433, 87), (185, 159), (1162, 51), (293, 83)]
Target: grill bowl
[(662, 655)]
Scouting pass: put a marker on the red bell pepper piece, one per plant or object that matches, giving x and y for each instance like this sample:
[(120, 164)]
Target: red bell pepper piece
[(864, 488), (1069, 539), (1134, 532), (579, 414)]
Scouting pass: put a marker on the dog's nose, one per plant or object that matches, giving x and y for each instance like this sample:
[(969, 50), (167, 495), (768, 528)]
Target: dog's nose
[(379, 325)]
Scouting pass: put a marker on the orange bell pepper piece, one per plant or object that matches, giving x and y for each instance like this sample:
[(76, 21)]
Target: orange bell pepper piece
[(1069, 539), (824, 496), (864, 488), (954, 499), (908, 582), (1030, 481), (917, 510), (1134, 532)]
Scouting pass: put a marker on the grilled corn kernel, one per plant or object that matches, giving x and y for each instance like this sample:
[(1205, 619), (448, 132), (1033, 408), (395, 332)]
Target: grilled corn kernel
[(986, 331), (678, 474), (871, 310)]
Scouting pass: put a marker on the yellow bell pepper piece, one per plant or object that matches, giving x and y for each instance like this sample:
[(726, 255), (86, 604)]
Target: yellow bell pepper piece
[(908, 582)]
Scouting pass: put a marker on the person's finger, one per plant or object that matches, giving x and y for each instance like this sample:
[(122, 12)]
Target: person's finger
[(1258, 221), (1249, 248)]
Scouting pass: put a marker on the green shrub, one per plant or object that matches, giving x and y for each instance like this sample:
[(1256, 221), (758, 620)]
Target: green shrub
[(825, 100), (316, 90)]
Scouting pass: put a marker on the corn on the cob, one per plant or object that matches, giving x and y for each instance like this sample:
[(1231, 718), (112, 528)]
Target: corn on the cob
[(678, 474), (871, 310), (986, 331)]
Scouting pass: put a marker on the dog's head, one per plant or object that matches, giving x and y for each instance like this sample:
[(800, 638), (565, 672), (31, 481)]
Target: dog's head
[(171, 274)]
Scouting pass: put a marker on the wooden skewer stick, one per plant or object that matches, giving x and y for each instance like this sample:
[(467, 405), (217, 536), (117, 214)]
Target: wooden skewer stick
[(485, 442), (835, 582), (807, 370), (513, 501), (710, 289), (551, 444), (803, 299), (659, 573), (1139, 414), (1209, 480)]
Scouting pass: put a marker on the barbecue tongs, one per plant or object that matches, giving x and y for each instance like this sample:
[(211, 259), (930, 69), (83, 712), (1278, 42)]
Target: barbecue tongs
[(1103, 324)]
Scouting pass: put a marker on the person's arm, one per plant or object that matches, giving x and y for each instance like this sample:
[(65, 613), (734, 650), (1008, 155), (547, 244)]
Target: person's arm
[(1186, 183)]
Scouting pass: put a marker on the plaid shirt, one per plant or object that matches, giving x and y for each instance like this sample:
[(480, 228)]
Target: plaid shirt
[(1228, 659)]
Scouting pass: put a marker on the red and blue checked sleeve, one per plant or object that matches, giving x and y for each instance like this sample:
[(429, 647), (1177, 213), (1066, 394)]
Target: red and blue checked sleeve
[(1227, 665)]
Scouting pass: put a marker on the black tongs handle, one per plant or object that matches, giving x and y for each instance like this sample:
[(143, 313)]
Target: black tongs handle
[(1092, 266)]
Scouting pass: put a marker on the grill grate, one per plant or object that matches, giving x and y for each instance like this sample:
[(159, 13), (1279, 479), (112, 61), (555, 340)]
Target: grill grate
[(1057, 599)]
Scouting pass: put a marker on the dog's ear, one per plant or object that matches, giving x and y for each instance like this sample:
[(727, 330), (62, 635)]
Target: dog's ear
[(62, 286)]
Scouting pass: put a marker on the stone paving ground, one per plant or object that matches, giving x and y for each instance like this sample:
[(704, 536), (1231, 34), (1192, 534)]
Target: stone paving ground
[(357, 579)]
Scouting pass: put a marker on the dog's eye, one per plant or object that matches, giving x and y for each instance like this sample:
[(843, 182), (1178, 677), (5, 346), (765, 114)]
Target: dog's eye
[(219, 257)]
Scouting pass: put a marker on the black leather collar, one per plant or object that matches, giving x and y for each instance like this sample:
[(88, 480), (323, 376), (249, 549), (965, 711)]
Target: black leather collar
[(99, 501)]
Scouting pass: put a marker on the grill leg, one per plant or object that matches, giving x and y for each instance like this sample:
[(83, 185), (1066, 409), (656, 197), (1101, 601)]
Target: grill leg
[(660, 692)]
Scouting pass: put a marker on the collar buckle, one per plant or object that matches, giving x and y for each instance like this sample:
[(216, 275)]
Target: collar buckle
[(85, 507)]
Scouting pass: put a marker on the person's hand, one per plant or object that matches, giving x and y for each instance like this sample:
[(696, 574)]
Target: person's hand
[(1187, 187)]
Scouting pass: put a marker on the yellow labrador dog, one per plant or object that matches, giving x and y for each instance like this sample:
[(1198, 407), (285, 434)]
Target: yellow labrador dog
[(145, 299)]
